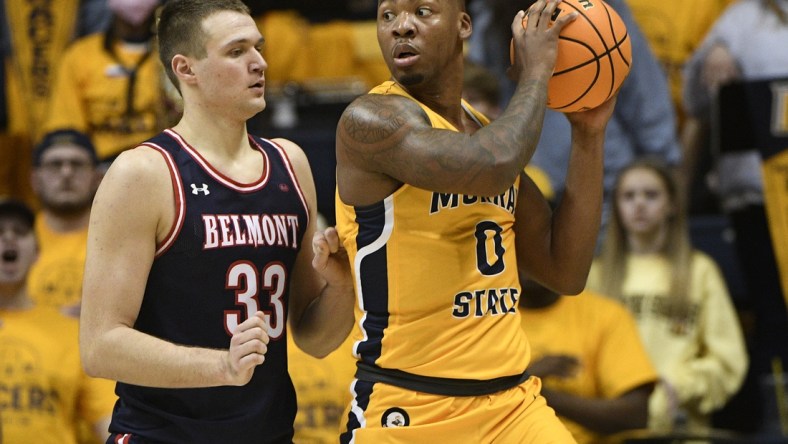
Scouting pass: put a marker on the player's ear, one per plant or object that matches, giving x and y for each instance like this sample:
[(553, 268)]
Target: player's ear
[(181, 66), (465, 25)]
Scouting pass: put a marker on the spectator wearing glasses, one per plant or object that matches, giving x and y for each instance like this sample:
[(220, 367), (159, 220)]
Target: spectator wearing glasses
[(65, 178)]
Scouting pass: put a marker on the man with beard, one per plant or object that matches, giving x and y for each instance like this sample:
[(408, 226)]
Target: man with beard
[(437, 218), (65, 178)]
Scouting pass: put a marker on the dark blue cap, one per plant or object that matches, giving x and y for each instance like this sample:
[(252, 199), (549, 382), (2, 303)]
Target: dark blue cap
[(13, 207), (64, 137)]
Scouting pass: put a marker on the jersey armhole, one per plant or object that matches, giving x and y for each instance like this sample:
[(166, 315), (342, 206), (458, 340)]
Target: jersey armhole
[(179, 200), (293, 176)]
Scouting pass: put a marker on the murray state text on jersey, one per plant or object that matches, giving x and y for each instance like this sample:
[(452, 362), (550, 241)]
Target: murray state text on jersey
[(258, 230), (507, 200)]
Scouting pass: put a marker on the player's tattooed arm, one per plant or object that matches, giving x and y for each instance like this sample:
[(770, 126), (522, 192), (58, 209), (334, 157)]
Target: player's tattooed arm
[(392, 135)]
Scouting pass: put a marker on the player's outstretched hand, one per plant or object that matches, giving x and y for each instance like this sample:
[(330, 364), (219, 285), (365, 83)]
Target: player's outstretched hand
[(330, 258), (248, 346)]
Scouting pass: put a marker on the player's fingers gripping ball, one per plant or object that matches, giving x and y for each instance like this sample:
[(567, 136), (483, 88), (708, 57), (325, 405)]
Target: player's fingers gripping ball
[(593, 59)]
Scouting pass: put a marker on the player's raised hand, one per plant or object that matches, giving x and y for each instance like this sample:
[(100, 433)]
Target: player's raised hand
[(248, 346), (535, 39), (594, 119), (330, 258)]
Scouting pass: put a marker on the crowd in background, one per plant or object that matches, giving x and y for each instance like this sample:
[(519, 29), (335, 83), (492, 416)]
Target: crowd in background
[(80, 85)]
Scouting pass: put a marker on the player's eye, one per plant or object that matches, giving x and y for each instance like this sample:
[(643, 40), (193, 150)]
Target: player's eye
[(424, 12)]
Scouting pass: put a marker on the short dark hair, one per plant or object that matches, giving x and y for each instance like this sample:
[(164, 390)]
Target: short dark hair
[(64, 137), (17, 208), (179, 29)]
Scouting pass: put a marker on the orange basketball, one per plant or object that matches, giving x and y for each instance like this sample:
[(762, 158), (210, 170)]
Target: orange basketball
[(594, 56)]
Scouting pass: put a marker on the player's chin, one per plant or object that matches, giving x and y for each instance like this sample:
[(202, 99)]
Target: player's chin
[(410, 79), (257, 104)]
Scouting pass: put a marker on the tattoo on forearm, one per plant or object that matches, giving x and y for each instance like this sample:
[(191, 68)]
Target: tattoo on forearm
[(529, 99)]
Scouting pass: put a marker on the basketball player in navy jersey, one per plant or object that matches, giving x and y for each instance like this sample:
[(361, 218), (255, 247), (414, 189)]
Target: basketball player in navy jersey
[(430, 197), (199, 254)]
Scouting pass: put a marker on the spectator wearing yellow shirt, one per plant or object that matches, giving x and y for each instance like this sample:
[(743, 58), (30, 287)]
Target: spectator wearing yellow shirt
[(65, 179), (597, 375), (110, 85), (44, 392)]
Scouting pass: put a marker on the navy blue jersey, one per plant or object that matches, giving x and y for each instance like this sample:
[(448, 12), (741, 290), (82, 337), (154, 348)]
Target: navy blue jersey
[(230, 253)]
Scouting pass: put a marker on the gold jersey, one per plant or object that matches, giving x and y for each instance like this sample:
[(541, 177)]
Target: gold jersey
[(436, 278)]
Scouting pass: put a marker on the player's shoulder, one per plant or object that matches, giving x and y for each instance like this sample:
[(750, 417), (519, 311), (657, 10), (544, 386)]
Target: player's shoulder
[(376, 123), (142, 170), (296, 157), (140, 160), (290, 147), (293, 152), (383, 109)]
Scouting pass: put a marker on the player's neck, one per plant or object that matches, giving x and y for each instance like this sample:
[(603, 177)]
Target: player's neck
[(227, 150), (221, 135), (444, 96)]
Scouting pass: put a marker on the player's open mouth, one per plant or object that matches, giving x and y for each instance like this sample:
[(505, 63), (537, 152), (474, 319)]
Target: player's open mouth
[(405, 55)]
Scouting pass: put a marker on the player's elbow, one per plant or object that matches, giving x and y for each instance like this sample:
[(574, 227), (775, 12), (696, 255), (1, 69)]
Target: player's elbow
[(316, 349), (498, 180), (574, 288), (92, 362), (567, 285), (89, 362)]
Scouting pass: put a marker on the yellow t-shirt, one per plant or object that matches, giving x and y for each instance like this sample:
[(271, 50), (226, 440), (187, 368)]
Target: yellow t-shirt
[(44, 389), (702, 355), (323, 391), (91, 91), (55, 278), (602, 334), (436, 279)]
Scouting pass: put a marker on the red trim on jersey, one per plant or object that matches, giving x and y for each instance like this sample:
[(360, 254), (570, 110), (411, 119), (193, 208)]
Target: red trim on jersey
[(227, 181), (293, 176), (180, 201), (123, 439)]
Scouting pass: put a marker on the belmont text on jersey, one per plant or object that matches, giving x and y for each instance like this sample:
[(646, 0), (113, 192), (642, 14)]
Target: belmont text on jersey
[(258, 230)]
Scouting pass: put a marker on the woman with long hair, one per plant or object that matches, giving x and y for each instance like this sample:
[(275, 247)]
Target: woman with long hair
[(677, 295)]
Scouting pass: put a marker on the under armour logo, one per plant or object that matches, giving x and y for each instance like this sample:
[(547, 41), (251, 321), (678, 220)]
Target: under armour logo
[(203, 189)]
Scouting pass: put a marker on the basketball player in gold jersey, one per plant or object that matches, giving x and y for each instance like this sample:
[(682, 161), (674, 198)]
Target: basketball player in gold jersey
[(430, 197)]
